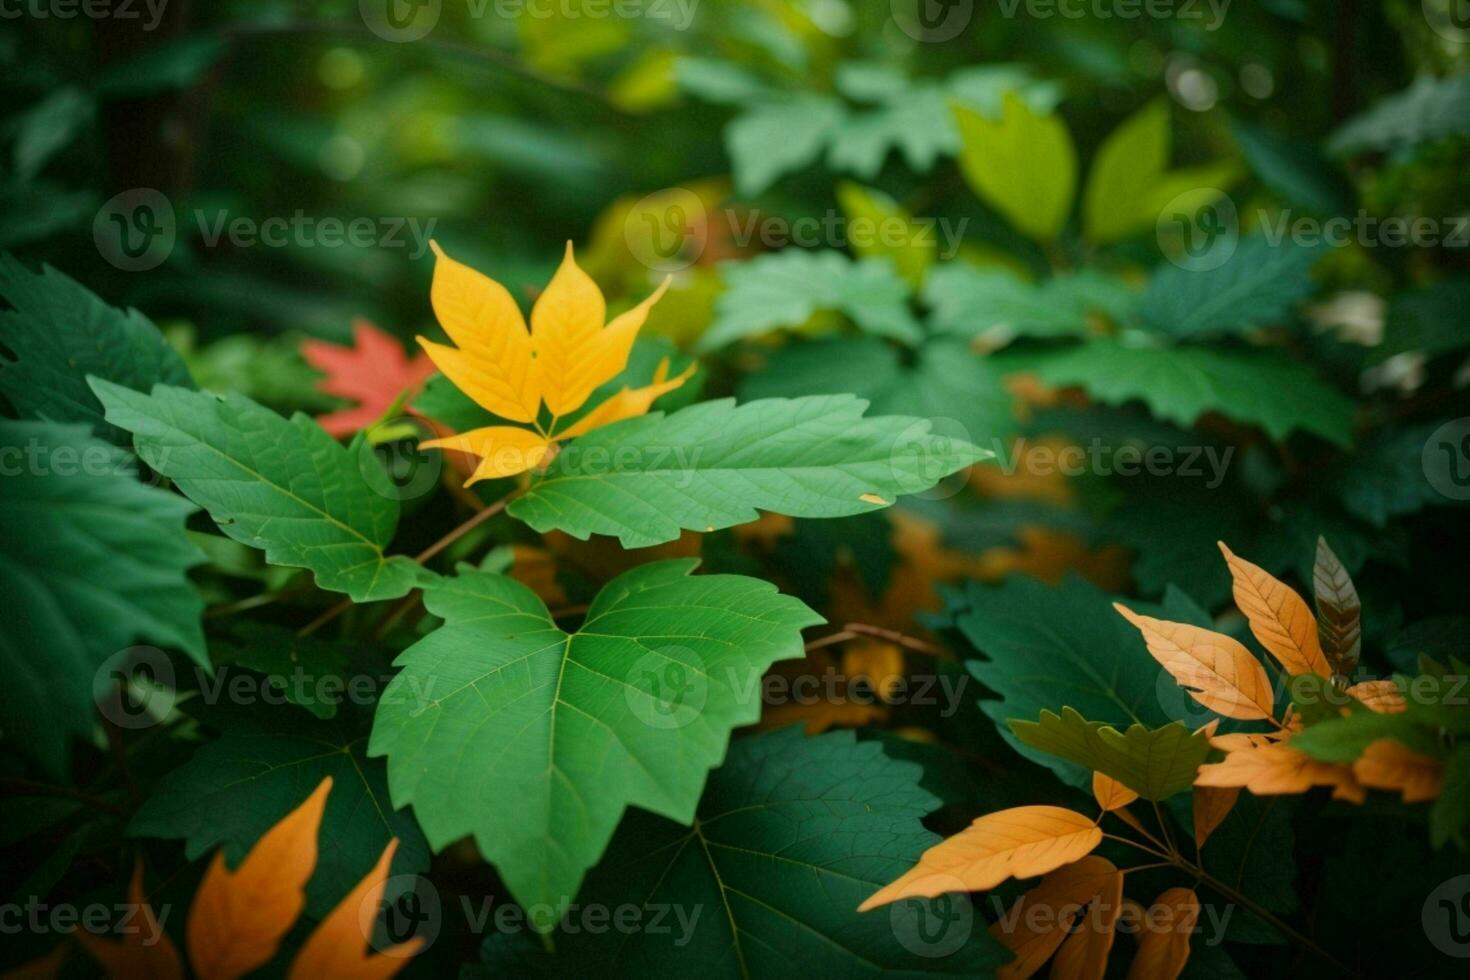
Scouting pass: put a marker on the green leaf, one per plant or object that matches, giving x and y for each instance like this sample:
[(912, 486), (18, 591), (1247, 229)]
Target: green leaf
[(1124, 175), (58, 333), (533, 740), (1343, 738), (1179, 384), (1293, 168), (173, 64), (1385, 479), (1023, 165), (944, 381), (1449, 816), (790, 837), (1156, 763), (265, 762), (293, 664), (1254, 851), (1429, 319), (1042, 647), (1257, 286), (779, 137), (93, 561), (49, 127), (1429, 109), (713, 465), (280, 485), (786, 288), (887, 231), (994, 304)]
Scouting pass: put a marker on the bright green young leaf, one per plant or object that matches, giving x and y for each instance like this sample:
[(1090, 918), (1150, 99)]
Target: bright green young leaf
[(533, 740), (791, 835), (1257, 286), (944, 381), (714, 465), (93, 562), (1179, 384), (786, 288), (1124, 175), (996, 305), (57, 333), (1343, 738), (265, 761), (880, 228), (1023, 165), (280, 485), (1156, 763)]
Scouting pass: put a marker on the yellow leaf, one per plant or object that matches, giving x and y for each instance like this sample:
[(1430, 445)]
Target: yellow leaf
[(1163, 943), (493, 364), (1383, 697), (504, 450), (1041, 919), (566, 328), (1215, 669), (1273, 770), (1111, 794), (238, 917), (338, 948), (1279, 617), (1389, 764), (144, 952), (1084, 954), (878, 661), (630, 402), (1211, 806), (1017, 843)]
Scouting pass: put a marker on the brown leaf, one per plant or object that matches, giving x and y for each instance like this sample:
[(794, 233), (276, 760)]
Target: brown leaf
[(1279, 617), (1272, 770), (1339, 628), (1215, 669), (1389, 764), (1111, 794), (1040, 920), (144, 952), (1211, 807), (239, 917), (338, 948), (1084, 954), (1382, 697)]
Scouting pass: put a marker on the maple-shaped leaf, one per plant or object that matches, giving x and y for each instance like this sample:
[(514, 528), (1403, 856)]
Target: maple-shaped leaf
[(94, 561), (1021, 842), (280, 485), (238, 917), (374, 372), (1154, 763), (503, 726), (1279, 617), (716, 464), (1047, 916), (790, 834), (1216, 670), (1163, 944), (514, 373)]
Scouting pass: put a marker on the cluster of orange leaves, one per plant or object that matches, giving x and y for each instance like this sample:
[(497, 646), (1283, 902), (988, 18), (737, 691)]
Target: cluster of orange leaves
[(238, 918), (1221, 674)]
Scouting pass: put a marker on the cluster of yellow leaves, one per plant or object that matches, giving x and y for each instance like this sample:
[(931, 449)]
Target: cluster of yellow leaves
[(1072, 916), (239, 917), (515, 373), (1221, 674)]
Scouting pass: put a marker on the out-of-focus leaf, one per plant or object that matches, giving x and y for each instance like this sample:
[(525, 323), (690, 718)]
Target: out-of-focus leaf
[(880, 228), (49, 128), (1426, 110), (1255, 287), (1023, 165), (173, 64)]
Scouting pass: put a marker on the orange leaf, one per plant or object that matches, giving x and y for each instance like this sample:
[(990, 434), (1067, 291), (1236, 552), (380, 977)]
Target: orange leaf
[(238, 917), (1383, 697), (1163, 945), (338, 948), (565, 324), (1245, 740), (1211, 806), (493, 364), (1015, 843), (373, 372), (1111, 794), (1276, 769), (1216, 670), (1279, 617), (144, 952), (1392, 765), (1084, 955), (630, 402), (1041, 919), (504, 450)]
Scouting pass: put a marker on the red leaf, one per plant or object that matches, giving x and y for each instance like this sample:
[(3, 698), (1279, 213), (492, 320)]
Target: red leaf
[(373, 373)]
